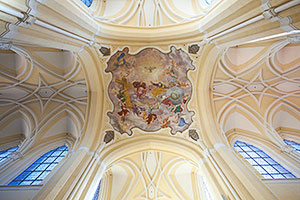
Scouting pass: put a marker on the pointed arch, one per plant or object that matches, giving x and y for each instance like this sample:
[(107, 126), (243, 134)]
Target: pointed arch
[(252, 121), (284, 116)]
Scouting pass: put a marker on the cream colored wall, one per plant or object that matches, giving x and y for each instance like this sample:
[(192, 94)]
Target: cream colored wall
[(284, 189), (91, 158), (14, 193)]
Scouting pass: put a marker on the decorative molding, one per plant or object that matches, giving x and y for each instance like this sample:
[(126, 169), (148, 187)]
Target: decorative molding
[(143, 173), (265, 5), (285, 22), (271, 15), (27, 20), (293, 39), (105, 51), (145, 13), (84, 148), (109, 136), (6, 45), (193, 134), (219, 145), (287, 149), (194, 48), (16, 155), (65, 93)]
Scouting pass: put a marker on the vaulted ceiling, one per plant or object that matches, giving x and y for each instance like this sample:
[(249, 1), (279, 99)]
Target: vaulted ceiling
[(256, 90), (149, 13), (43, 94)]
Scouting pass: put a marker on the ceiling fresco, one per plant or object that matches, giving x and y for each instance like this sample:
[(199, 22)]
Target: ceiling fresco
[(150, 90)]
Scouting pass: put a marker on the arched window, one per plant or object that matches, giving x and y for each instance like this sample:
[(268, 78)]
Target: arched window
[(96, 195), (88, 3), (4, 154), (264, 164), (37, 171), (208, 2), (295, 145)]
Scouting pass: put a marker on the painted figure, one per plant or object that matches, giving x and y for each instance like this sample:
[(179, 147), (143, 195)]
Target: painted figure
[(150, 90)]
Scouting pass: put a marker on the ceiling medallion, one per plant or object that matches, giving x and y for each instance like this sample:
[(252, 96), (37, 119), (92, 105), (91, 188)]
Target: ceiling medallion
[(109, 136), (193, 134), (150, 90)]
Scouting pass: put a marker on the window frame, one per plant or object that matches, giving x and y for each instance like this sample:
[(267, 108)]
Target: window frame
[(2, 159), (88, 6), (292, 143), (30, 157), (265, 158)]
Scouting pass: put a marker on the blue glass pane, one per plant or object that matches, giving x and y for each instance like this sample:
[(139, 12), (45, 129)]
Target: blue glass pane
[(263, 163), (289, 176), (253, 154), (22, 176), (42, 167), (96, 195), (4, 154), (44, 174), (56, 153), (270, 161), (50, 159), (262, 154), (32, 167), (208, 2), (259, 169), (277, 176), (64, 153), (58, 159), (41, 159), (280, 169), (247, 149), (25, 183), (270, 169), (15, 183), (33, 175), (37, 171), (88, 3), (50, 167), (266, 176), (295, 145), (47, 154), (36, 182)]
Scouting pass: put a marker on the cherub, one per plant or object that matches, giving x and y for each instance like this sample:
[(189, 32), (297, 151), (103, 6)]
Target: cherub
[(124, 112), (141, 88), (150, 118), (166, 122)]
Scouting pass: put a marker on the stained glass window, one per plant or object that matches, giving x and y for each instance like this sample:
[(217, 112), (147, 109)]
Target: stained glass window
[(295, 145), (207, 193), (4, 154), (264, 164), (37, 171), (208, 2), (88, 3), (96, 195)]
